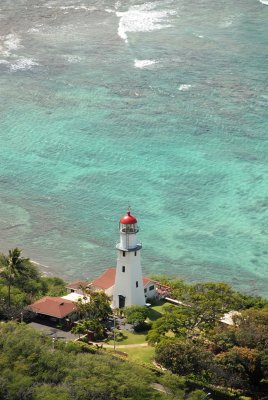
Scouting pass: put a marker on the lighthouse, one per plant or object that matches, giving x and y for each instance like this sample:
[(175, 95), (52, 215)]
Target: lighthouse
[(128, 287)]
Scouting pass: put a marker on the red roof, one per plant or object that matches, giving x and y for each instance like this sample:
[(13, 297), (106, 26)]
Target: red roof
[(147, 280), (128, 219), (107, 280), (77, 285), (53, 306)]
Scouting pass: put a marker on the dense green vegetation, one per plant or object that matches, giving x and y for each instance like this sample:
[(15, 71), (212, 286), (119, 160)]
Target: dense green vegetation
[(21, 283), (34, 369), (191, 340), (136, 315), (199, 353)]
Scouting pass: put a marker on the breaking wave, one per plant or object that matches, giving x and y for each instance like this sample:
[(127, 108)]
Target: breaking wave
[(143, 63), (23, 64), (9, 43), (143, 18)]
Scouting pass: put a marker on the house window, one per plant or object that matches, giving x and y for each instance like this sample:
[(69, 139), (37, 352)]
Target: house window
[(135, 253), (124, 254), (151, 287), (123, 268), (145, 290), (137, 284)]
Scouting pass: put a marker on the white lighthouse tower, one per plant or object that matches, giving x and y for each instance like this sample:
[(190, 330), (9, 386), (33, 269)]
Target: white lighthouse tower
[(128, 287)]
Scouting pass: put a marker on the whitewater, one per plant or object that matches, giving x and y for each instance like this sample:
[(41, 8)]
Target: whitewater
[(161, 105)]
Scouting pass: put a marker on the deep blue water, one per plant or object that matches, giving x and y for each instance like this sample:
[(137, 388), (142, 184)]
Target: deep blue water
[(162, 105)]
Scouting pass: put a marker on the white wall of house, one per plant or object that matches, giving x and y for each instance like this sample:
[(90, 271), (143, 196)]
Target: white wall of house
[(150, 290), (109, 291)]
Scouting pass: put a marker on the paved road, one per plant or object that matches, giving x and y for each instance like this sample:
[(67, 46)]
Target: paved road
[(59, 334), (53, 332)]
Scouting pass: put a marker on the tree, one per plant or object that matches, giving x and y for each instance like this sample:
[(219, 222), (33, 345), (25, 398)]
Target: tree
[(49, 392), (241, 367), (98, 306), (198, 395), (82, 327), (173, 384), (173, 321), (13, 266), (54, 286), (182, 357), (253, 328), (136, 315)]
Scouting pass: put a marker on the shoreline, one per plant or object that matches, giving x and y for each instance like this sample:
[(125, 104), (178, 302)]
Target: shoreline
[(249, 285), (49, 271)]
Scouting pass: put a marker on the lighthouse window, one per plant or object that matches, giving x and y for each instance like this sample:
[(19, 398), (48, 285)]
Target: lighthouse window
[(135, 253), (151, 287), (124, 254), (145, 290), (123, 268), (137, 284)]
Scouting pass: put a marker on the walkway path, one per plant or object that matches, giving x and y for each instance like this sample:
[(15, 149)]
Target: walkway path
[(120, 346)]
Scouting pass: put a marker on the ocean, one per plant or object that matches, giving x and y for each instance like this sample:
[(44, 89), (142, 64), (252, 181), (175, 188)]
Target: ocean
[(159, 105)]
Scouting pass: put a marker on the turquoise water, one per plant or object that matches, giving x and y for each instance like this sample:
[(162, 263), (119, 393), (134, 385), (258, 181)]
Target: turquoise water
[(162, 105)]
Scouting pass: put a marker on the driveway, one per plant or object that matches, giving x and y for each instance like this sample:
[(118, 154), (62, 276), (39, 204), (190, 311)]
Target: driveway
[(53, 332)]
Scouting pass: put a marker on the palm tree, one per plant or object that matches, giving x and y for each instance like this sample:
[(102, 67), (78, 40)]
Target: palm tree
[(13, 266)]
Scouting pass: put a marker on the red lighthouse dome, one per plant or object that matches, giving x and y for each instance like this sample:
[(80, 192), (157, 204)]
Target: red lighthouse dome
[(128, 219), (128, 224)]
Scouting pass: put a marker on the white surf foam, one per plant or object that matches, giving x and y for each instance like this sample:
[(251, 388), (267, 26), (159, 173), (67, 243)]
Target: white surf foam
[(184, 87), (264, 2), (72, 59), (226, 22), (33, 30), (82, 7), (9, 43), (4, 62), (12, 42), (198, 35), (143, 18), (23, 64), (143, 63)]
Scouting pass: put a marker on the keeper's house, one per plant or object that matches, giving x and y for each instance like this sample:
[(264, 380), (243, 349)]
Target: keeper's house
[(56, 309)]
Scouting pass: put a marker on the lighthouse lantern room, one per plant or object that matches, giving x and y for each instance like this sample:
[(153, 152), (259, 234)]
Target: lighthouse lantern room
[(128, 287)]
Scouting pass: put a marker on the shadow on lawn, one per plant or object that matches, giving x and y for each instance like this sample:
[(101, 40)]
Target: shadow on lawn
[(153, 315)]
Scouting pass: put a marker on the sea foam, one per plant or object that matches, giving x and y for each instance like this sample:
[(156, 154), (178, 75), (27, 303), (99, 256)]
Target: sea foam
[(9, 43), (184, 87), (264, 2), (82, 7), (23, 64), (143, 63), (143, 18), (72, 59)]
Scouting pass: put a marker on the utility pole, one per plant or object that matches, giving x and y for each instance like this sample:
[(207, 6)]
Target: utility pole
[(114, 332)]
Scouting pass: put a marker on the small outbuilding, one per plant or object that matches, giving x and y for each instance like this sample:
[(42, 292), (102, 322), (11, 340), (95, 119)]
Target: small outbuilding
[(77, 286), (56, 309)]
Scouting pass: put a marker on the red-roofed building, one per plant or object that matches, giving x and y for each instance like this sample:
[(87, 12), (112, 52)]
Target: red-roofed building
[(56, 308), (106, 283), (77, 286)]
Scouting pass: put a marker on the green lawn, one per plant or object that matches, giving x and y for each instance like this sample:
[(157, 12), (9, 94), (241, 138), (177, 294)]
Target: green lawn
[(130, 338), (140, 354), (155, 312)]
